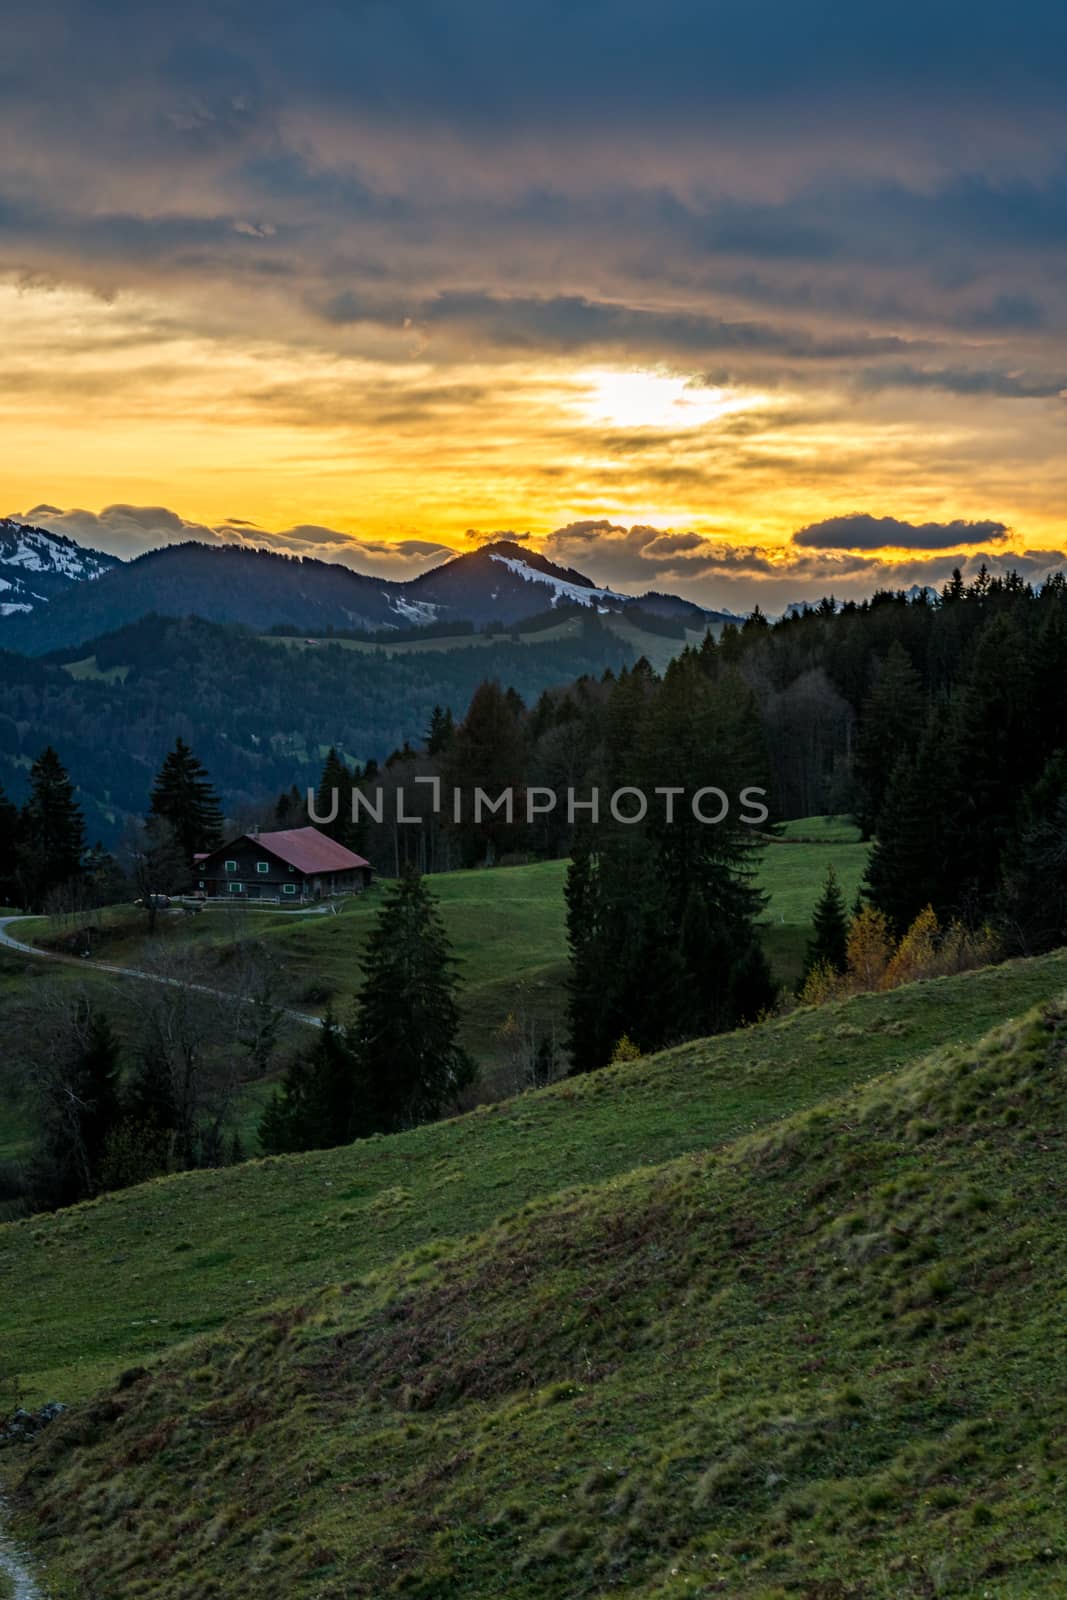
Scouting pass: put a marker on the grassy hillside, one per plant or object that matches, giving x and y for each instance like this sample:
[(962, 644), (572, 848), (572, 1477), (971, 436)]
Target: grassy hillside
[(508, 928), (655, 647), (824, 1361), (128, 1276)]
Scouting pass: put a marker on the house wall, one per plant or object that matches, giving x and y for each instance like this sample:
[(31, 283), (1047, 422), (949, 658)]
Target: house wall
[(257, 875)]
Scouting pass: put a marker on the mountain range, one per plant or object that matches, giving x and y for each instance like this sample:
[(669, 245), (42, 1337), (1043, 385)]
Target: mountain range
[(55, 595), (37, 567)]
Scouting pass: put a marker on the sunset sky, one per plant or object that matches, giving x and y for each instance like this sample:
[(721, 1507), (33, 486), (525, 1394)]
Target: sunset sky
[(747, 301)]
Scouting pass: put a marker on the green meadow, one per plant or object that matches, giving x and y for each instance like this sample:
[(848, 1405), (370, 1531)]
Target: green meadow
[(770, 1314), (778, 1311), (507, 924), (127, 1276)]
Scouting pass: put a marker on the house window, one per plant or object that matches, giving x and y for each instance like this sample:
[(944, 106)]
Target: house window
[(263, 866), (289, 888), (291, 867), (235, 888), (231, 866), (200, 885)]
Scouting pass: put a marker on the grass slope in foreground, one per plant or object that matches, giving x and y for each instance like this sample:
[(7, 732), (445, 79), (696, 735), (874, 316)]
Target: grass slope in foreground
[(124, 1278), (827, 1362)]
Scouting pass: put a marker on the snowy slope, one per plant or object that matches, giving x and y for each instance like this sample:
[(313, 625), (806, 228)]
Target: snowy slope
[(571, 593), (411, 613), (36, 566)]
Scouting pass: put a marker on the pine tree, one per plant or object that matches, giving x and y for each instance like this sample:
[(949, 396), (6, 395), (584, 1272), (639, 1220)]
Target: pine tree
[(183, 797), (661, 915), (1049, 708), (290, 810), (52, 832), (709, 655), (335, 792), (909, 864), (406, 1030), (628, 973), (488, 753), (441, 732), (996, 754), (317, 1105), (80, 1111), (894, 714), (829, 942), (1032, 907)]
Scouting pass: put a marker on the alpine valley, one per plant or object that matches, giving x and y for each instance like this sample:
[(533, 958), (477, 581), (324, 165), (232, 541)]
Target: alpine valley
[(272, 659)]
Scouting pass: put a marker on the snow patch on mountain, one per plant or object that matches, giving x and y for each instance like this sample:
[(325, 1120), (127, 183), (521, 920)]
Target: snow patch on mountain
[(414, 612), (37, 550), (574, 593), (39, 565)]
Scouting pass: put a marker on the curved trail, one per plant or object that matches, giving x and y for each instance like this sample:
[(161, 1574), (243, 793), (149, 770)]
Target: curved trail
[(8, 943)]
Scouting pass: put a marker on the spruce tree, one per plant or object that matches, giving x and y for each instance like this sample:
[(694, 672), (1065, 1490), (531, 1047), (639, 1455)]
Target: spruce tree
[(661, 915), (1049, 708), (440, 733), (1032, 907), (52, 832), (996, 752), (893, 717), (80, 1111), (317, 1106), (829, 940), (183, 798), (488, 753), (290, 810), (335, 788), (909, 864), (406, 1029)]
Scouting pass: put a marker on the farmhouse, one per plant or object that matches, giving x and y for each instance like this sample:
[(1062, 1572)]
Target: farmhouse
[(298, 864)]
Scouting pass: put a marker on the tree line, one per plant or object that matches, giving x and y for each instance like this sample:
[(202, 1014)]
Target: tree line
[(944, 736), (45, 864)]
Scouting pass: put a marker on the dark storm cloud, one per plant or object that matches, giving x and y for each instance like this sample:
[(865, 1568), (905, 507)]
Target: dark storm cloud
[(498, 160), (567, 323), (860, 531), (965, 381), (739, 575)]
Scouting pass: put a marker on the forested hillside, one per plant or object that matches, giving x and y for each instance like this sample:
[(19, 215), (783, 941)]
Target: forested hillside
[(262, 717), (500, 583)]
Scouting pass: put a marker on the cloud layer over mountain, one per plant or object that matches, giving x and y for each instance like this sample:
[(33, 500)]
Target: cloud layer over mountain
[(388, 272)]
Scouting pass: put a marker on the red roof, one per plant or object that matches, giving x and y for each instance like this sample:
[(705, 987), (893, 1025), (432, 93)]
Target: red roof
[(309, 851)]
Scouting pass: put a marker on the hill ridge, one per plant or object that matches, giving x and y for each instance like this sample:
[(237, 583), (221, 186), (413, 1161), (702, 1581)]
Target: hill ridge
[(580, 1400), (362, 1200), (491, 584)]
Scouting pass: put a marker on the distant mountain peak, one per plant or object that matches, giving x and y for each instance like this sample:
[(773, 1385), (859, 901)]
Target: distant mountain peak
[(46, 605), (36, 566), (508, 550)]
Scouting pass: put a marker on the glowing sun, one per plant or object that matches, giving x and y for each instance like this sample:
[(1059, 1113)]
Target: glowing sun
[(644, 399)]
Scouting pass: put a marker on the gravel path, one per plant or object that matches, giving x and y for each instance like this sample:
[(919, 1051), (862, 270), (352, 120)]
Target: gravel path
[(7, 942)]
